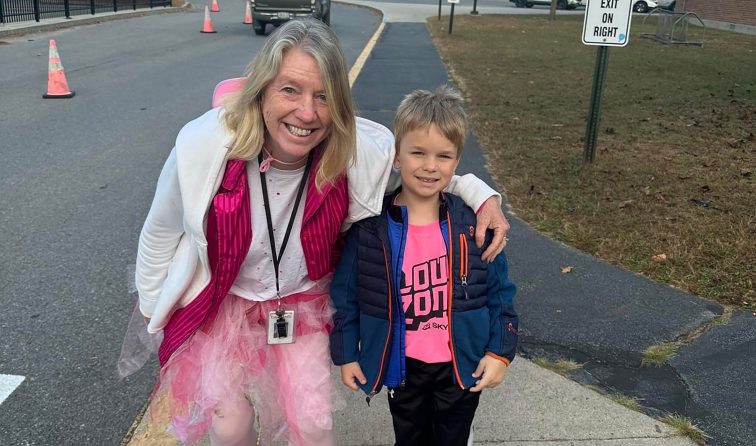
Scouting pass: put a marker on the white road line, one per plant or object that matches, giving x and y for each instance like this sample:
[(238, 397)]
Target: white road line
[(8, 384)]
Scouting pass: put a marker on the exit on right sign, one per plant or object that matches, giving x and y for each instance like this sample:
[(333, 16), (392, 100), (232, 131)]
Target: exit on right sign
[(607, 22)]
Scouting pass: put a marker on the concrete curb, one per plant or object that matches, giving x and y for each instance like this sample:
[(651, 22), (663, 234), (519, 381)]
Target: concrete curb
[(373, 9)]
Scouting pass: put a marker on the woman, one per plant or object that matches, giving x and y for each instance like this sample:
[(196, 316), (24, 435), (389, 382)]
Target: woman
[(246, 320)]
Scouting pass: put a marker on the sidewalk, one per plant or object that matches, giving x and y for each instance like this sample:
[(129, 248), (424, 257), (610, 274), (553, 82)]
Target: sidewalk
[(534, 407)]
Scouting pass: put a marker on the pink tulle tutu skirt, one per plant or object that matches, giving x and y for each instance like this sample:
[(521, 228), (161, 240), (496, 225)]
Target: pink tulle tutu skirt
[(288, 385)]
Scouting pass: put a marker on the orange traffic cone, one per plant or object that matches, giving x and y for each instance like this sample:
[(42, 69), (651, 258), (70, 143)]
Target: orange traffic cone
[(207, 26), (215, 7), (57, 86), (247, 15)]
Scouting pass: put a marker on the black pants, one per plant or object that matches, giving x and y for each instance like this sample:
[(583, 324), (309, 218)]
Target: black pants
[(431, 409)]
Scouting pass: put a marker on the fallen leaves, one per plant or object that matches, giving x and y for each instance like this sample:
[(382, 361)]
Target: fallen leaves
[(659, 258)]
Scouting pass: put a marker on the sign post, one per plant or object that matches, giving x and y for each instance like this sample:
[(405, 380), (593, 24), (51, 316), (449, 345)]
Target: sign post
[(606, 23), (451, 15), (594, 114)]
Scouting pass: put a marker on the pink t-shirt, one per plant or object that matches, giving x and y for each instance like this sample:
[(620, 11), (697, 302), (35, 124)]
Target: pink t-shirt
[(424, 289)]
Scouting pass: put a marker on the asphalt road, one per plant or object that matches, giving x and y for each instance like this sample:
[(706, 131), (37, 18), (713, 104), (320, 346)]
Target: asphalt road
[(76, 180)]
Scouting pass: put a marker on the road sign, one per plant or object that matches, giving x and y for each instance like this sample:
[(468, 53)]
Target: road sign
[(607, 22), (453, 1)]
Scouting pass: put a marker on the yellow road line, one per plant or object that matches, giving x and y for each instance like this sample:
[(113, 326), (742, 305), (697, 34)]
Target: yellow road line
[(360, 62)]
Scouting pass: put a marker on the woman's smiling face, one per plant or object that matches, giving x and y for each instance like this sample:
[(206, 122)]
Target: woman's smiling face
[(295, 108)]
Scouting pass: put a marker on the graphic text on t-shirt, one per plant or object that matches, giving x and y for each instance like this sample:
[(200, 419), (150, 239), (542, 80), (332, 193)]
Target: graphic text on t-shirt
[(424, 294)]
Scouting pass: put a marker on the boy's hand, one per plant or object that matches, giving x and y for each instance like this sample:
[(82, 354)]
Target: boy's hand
[(350, 372), (493, 371), (491, 217)]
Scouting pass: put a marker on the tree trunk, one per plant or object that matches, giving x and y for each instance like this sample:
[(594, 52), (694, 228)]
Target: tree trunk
[(552, 13)]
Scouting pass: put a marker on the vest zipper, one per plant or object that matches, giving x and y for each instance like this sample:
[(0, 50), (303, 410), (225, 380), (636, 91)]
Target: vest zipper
[(450, 299), (463, 263), (400, 309), (388, 335)]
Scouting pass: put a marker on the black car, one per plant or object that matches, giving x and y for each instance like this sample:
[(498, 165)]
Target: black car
[(277, 12)]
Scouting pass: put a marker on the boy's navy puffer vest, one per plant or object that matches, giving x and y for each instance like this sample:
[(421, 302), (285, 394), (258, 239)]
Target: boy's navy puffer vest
[(374, 281)]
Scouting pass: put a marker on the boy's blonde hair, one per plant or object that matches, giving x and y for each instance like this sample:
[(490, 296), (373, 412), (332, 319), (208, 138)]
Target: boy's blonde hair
[(444, 108), (244, 116)]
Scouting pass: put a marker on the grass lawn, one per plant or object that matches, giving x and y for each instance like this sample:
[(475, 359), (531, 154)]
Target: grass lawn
[(672, 193)]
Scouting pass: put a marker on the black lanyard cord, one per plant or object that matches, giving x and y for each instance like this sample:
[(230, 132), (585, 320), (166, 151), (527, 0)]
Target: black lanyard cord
[(278, 256)]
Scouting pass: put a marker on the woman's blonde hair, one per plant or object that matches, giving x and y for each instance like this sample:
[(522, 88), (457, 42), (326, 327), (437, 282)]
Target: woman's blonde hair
[(244, 117), (443, 108)]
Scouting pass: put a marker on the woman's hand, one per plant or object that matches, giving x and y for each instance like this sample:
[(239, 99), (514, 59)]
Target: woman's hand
[(490, 216), (493, 371), (351, 372)]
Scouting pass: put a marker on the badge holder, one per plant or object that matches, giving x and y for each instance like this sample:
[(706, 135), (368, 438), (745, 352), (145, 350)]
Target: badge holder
[(281, 322), (281, 326)]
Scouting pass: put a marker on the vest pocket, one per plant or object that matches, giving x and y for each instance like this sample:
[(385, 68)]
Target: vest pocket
[(373, 337)]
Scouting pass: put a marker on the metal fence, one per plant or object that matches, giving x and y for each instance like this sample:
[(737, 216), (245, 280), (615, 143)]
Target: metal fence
[(24, 10)]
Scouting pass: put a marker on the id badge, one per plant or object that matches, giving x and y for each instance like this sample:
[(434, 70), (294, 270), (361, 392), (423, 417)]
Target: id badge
[(281, 328)]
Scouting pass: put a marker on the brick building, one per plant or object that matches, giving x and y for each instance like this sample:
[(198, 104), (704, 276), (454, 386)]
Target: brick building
[(735, 12)]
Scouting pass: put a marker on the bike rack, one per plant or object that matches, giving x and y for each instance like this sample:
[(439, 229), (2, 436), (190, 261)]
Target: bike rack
[(672, 27)]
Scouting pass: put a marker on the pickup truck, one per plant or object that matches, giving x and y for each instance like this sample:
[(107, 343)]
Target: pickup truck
[(276, 12)]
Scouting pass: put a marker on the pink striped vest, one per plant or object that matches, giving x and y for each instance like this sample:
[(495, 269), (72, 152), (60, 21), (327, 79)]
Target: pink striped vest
[(229, 234)]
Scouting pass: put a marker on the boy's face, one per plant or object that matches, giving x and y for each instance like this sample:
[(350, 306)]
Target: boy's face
[(427, 161)]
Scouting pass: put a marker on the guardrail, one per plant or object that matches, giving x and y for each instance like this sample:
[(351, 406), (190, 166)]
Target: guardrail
[(27, 10)]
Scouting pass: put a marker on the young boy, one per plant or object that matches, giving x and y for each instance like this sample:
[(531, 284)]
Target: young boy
[(417, 310)]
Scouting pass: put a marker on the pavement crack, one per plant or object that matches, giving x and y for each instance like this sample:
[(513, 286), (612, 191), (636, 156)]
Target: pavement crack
[(706, 326)]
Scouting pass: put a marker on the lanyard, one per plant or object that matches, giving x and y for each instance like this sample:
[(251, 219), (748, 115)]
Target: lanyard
[(278, 256)]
